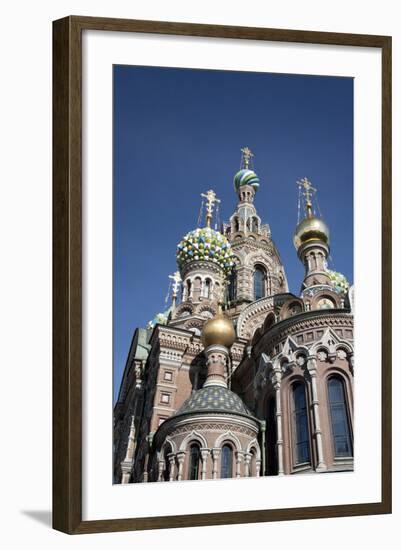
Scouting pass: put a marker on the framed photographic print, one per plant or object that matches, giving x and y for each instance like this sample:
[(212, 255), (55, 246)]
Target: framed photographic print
[(222, 275)]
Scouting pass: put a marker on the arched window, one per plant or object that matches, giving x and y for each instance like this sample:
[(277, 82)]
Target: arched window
[(232, 286), (339, 418), (206, 289), (236, 224), (300, 424), (194, 455), (189, 287), (259, 283), (254, 227), (226, 461)]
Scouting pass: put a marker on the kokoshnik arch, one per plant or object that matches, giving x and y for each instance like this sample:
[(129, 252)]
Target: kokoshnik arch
[(263, 388)]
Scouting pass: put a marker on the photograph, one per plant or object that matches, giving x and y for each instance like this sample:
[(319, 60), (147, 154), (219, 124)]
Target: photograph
[(233, 274)]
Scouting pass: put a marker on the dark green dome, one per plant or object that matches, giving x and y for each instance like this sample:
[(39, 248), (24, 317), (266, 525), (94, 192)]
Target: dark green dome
[(215, 399)]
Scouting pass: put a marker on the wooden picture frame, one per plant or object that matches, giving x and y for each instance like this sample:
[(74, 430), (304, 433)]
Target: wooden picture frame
[(67, 273)]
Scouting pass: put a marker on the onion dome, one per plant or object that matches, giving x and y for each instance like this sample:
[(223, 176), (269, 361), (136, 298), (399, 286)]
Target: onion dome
[(159, 319), (311, 229), (246, 177), (218, 331), (214, 399), (338, 281), (207, 245)]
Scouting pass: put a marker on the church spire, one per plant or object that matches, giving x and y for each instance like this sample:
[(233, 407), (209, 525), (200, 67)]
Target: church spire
[(311, 238), (246, 181)]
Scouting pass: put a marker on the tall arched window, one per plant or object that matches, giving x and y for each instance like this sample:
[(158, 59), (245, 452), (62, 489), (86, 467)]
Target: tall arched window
[(254, 226), (226, 461), (189, 288), (206, 289), (339, 418), (194, 456), (232, 286), (300, 424), (259, 283)]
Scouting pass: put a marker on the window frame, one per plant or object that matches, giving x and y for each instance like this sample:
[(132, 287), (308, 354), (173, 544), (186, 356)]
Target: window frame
[(336, 376), (294, 436)]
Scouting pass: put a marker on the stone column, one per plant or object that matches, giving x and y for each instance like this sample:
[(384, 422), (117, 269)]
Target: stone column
[(126, 471), (180, 458), (312, 368), (161, 466), (127, 463), (215, 456), (204, 455), (171, 459), (279, 420), (351, 362), (257, 466), (238, 464), (247, 463)]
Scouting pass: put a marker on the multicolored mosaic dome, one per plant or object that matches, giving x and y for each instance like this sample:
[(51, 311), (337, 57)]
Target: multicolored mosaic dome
[(207, 245), (338, 281), (246, 177), (159, 319), (216, 399)]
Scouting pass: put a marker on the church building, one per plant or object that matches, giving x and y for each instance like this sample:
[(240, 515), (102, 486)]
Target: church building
[(240, 377)]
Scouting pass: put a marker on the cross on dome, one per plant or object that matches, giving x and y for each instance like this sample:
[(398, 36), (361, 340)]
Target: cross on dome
[(247, 156), (211, 200), (307, 191)]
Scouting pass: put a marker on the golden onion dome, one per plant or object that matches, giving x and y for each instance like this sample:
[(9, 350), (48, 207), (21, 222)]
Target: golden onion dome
[(311, 229), (218, 331)]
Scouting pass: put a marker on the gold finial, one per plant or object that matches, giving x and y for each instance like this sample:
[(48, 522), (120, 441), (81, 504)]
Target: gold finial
[(247, 155), (308, 191), (211, 199)]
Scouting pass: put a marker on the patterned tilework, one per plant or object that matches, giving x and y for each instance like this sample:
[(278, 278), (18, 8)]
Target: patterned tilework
[(214, 398)]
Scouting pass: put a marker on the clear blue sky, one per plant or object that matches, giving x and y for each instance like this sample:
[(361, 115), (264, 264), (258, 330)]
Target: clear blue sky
[(178, 133)]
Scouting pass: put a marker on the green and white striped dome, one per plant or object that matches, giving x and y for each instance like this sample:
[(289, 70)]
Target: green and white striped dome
[(246, 177)]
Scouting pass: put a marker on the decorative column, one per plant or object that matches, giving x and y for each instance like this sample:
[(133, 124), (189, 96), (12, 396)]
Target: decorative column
[(161, 466), (204, 455), (215, 456), (149, 440), (180, 458), (351, 363), (312, 368), (258, 462), (239, 460), (277, 388), (171, 459), (247, 463), (127, 463)]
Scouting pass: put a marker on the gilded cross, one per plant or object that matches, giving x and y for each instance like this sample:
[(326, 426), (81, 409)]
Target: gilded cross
[(176, 278), (246, 156), (307, 192), (211, 199)]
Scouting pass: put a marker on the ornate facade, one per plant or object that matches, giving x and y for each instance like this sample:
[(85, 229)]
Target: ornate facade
[(265, 388)]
